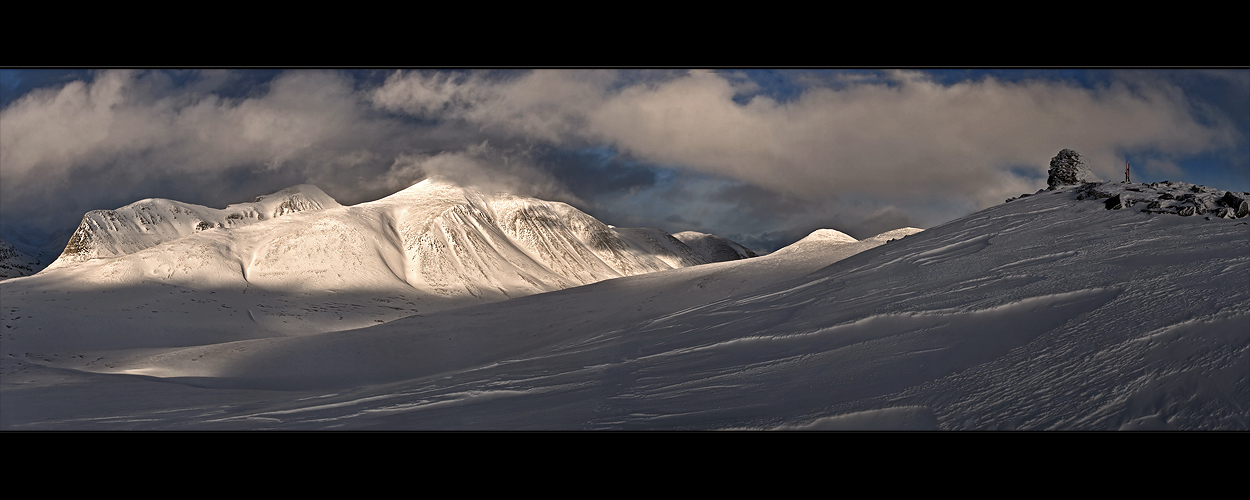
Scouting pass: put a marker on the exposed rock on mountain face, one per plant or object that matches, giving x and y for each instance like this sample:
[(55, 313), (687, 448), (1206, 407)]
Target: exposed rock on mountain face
[(582, 249), (147, 223), (1068, 168), (14, 263)]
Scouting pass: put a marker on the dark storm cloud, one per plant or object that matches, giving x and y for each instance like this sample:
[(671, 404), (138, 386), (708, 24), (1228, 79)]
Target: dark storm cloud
[(593, 172)]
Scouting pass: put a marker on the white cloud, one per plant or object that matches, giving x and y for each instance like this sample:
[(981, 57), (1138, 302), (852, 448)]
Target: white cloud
[(124, 113), (1162, 168), (903, 136), (127, 132), (482, 167)]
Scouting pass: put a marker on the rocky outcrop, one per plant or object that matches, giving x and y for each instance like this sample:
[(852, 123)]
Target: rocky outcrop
[(1238, 205), (1068, 169), (1167, 197), (1118, 202)]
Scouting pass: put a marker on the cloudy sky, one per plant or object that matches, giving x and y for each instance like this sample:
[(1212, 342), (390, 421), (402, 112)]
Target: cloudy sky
[(762, 157)]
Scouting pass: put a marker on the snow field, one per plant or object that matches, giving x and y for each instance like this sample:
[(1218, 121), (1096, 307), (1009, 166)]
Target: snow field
[(1044, 313)]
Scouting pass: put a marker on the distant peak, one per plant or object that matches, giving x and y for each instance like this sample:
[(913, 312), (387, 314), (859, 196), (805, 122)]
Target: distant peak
[(895, 234), (437, 186), (831, 235), (434, 179), (304, 189)]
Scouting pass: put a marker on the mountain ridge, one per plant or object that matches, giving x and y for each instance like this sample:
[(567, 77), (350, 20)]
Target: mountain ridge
[(433, 238), (150, 222)]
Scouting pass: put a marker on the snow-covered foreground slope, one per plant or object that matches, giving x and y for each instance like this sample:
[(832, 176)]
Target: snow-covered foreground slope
[(1044, 313)]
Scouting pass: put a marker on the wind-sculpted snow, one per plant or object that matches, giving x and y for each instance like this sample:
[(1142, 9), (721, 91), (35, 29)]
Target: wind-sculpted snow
[(1045, 313)]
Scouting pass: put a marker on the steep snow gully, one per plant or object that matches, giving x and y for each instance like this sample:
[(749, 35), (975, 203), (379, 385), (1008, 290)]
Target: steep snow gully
[(1052, 311)]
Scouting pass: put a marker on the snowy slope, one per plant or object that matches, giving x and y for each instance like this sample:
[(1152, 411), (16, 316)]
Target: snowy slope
[(14, 262), (1048, 312)]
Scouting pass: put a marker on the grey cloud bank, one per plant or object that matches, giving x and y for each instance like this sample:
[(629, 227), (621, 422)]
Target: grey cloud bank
[(899, 147)]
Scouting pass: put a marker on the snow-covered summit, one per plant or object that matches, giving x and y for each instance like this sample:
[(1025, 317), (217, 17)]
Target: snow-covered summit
[(823, 243), (147, 223), (829, 235), (458, 242), (820, 238)]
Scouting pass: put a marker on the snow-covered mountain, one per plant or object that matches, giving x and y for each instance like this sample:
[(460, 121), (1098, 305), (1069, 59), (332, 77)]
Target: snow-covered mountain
[(714, 248), (42, 254), (1059, 310), (14, 262), (432, 246), (147, 223)]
